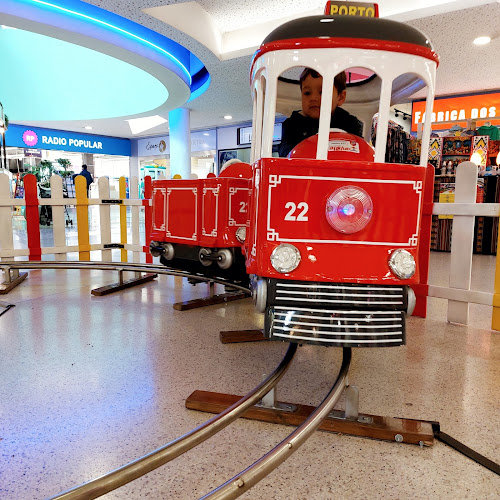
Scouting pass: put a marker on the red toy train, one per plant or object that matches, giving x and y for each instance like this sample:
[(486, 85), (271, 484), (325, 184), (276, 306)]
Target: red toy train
[(337, 240)]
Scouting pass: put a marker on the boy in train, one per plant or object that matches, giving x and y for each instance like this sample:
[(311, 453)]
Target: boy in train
[(305, 123)]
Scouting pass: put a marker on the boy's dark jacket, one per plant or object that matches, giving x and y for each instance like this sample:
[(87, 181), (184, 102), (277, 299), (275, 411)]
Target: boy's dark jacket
[(299, 127)]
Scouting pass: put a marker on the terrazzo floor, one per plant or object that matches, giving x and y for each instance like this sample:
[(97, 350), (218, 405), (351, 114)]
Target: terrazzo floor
[(89, 383)]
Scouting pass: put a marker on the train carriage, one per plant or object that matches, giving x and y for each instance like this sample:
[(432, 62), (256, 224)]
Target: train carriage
[(199, 224)]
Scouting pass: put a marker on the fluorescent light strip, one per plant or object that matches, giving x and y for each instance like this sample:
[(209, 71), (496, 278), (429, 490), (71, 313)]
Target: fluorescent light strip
[(117, 29)]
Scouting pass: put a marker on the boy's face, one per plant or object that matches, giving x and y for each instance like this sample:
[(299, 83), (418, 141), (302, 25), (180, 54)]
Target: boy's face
[(311, 96)]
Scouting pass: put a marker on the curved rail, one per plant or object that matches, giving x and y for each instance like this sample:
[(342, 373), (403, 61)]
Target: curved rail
[(165, 454), (243, 481), (113, 266)]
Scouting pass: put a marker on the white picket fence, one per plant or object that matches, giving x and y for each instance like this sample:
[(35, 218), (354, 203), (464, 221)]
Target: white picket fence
[(464, 210), (129, 233)]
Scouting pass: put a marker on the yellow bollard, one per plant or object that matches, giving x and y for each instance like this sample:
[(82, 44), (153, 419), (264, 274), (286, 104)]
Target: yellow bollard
[(495, 316), (82, 217), (123, 218), (177, 176)]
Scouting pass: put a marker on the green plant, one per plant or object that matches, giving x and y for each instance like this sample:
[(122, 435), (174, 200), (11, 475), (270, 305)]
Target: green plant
[(43, 172), (65, 164), (46, 169)]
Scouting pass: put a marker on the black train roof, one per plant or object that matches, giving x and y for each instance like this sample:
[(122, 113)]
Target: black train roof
[(369, 28)]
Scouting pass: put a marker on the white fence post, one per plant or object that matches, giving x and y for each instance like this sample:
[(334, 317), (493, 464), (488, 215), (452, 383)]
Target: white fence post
[(6, 233), (134, 195), (104, 217), (58, 224), (462, 241)]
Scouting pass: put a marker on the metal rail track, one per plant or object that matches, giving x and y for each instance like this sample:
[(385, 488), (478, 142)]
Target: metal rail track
[(6, 266), (248, 478), (243, 481), (168, 452)]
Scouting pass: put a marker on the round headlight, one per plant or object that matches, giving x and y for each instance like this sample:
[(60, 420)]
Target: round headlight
[(241, 234), (402, 264), (285, 258), (349, 209)]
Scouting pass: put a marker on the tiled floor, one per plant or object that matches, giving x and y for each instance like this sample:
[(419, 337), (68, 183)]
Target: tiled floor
[(90, 383)]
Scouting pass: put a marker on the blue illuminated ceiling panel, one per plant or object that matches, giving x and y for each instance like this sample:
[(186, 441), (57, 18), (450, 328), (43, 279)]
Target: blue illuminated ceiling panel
[(63, 81), (75, 61)]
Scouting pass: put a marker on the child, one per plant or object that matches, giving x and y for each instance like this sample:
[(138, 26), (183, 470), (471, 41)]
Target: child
[(305, 123)]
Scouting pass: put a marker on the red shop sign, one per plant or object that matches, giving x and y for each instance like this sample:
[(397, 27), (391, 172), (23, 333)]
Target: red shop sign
[(458, 109)]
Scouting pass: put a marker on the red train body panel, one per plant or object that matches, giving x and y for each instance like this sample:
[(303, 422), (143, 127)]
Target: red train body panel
[(202, 212), (290, 196)]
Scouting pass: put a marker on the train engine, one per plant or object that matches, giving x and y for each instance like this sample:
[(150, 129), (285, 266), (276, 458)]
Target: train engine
[(338, 239)]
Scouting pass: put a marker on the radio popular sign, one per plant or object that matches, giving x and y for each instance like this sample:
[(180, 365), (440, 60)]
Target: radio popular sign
[(45, 138), (458, 109)]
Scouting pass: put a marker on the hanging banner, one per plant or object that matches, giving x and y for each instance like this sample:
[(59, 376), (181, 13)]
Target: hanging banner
[(436, 149), (480, 147)]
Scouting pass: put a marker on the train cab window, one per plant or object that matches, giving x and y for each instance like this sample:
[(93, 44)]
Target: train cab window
[(300, 92), (389, 137)]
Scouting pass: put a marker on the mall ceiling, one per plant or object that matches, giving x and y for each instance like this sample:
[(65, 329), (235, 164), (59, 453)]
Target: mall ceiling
[(227, 25)]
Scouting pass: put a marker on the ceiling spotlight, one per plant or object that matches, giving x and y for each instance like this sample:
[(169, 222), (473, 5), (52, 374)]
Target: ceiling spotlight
[(87, 127), (482, 40), (228, 117)]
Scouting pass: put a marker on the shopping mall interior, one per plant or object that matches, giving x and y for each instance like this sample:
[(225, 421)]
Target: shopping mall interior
[(168, 243)]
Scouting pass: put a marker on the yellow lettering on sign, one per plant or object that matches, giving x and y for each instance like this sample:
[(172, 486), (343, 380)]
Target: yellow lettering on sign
[(352, 9)]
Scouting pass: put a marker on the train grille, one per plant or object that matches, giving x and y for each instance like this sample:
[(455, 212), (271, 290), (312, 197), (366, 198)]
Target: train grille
[(336, 327), (339, 295)]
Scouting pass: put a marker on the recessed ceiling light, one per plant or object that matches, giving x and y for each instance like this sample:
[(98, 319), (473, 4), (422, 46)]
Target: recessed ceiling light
[(228, 117), (87, 127), (482, 40)]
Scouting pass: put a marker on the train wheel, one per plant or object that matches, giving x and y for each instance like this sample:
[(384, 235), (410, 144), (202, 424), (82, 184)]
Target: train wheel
[(169, 251), (225, 258), (205, 252)]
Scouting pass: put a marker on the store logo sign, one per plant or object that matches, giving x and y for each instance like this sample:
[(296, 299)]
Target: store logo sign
[(30, 138), (448, 110)]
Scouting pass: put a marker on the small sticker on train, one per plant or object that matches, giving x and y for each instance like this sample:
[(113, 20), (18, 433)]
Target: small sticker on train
[(343, 145)]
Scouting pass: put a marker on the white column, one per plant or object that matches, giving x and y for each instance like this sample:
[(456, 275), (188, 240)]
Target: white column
[(133, 161), (180, 142)]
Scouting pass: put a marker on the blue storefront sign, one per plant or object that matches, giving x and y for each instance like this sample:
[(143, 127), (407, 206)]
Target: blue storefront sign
[(45, 138)]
